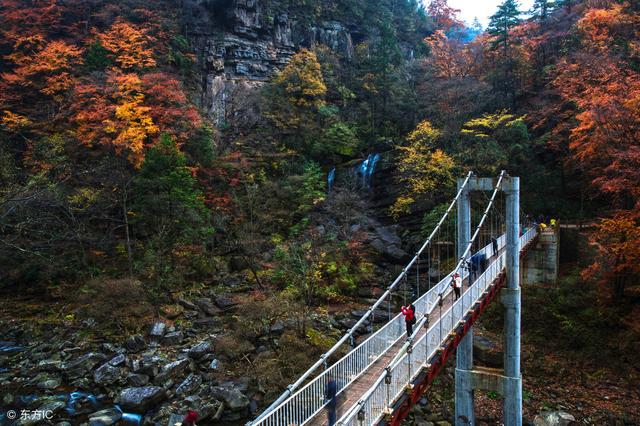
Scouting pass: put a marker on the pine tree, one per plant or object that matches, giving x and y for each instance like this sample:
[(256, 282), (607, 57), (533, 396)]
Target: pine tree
[(542, 8), (507, 17), (168, 207)]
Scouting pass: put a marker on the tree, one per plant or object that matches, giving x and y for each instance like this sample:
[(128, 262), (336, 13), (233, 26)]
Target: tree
[(423, 169), (444, 16), (599, 81), (302, 80), (126, 112), (494, 142), (500, 24), (130, 46), (542, 8), (115, 115), (168, 208), (46, 67), (293, 101), (617, 240)]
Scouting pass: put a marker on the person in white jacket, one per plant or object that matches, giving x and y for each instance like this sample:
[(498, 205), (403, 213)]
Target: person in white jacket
[(456, 283)]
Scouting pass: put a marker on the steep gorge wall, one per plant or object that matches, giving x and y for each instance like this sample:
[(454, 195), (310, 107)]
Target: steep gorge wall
[(241, 43)]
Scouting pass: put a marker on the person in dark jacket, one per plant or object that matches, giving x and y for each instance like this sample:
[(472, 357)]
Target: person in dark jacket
[(409, 313), (331, 396)]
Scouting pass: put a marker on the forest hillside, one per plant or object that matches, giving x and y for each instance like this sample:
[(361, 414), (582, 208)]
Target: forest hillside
[(233, 182)]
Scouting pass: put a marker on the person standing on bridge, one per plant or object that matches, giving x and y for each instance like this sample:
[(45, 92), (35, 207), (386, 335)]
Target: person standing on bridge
[(409, 313), (331, 398), (456, 283)]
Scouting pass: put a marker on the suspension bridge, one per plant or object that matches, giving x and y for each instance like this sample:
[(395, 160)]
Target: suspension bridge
[(380, 379)]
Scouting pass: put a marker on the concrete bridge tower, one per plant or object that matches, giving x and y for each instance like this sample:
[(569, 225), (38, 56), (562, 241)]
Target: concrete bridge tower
[(507, 382)]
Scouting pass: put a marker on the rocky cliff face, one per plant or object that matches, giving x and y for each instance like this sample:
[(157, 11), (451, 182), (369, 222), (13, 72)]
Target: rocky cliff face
[(241, 43)]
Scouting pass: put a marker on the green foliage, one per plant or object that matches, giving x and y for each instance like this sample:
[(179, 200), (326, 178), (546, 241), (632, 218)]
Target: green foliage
[(507, 17), (338, 139), (201, 147), (166, 192), (168, 207), (97, 57), (293, 101), (179, 53), (319, 339), (431, 219), (542, 8), (312, 187), (494, 142)]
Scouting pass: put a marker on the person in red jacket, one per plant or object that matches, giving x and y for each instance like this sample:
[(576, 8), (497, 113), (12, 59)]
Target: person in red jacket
[(409, 313)]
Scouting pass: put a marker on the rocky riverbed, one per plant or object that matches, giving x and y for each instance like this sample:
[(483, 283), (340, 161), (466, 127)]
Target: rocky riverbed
[(146, 379)]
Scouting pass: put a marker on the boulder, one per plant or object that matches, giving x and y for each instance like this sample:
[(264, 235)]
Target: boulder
[(81, 366), (174, 338), (107, 417), (199, 350), (175, 419), (206, 322), (226, 303), (347, 323), (49, 365), (157, 330), (390, 251), (233, 399), (358, 314), (554, 418), (187, 304), (190, 384), (149, 365), (173, 370), (388, 235), (106, 374), (207, 306), (277, 328), (137, 380), (135, 344), (380, 316), (141, 399), (50, 383), (118, 361)]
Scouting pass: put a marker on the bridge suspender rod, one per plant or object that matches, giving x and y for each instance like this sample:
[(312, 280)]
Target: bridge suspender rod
[(289, 391)]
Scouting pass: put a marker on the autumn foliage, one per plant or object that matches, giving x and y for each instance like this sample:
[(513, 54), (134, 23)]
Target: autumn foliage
[(86, 91)]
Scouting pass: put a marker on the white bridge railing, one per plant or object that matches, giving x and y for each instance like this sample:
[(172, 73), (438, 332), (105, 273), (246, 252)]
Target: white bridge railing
[(309, 400), (408, 364)]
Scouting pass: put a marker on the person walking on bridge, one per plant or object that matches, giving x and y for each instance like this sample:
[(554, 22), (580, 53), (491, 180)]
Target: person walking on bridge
[(456, 283), (409, 313), (331, 397)]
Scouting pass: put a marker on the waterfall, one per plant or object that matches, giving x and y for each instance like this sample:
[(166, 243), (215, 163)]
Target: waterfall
[(331, 178), (366, 169)]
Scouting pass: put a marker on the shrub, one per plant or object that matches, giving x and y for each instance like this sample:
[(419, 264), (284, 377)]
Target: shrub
[(115, 304)]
